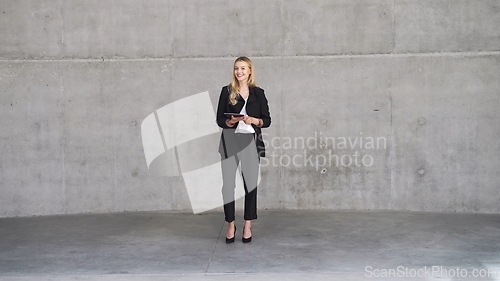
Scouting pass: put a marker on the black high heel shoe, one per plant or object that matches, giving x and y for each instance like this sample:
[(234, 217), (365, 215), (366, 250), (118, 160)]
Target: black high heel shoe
[(231, 240), (246, 240)]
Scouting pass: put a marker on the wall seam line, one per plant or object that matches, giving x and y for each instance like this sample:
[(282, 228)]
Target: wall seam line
[(388, 55)]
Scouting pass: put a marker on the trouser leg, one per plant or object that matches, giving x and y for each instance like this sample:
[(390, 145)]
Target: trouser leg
[(250, 205), (250, 169), (229, 167)]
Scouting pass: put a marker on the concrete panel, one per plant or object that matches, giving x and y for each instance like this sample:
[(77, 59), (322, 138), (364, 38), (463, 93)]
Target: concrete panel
[(131, 29), (223, 28), (30, 29), (338, 27), (334, 111), (71, 129), (31, 139), (191, 77), (445, 123), (448, 25), (269, 76), (105, 103)]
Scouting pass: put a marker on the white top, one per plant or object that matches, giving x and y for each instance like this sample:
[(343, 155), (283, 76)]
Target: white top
[(242, 127)]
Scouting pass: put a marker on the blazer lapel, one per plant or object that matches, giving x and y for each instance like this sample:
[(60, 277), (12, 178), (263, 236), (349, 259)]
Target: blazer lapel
[(239, 105), (251, 96)]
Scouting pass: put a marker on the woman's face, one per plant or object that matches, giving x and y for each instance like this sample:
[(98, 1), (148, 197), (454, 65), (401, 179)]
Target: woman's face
[(242, 71)]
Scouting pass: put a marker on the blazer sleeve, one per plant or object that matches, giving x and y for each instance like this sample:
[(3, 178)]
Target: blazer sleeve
[(264, 111), (221, 108)]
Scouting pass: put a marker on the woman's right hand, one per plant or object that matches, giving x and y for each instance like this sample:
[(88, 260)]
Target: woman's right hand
[(234, 120)]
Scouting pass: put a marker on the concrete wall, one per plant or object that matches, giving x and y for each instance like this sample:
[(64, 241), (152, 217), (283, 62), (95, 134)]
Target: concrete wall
[(78, 77)]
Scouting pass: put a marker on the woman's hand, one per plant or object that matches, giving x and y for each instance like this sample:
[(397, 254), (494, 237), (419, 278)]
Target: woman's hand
[(234, 120), (251, 120), (247, 119)]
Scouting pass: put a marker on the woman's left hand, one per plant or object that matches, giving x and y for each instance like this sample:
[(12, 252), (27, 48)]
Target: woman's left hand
[(248, 120)]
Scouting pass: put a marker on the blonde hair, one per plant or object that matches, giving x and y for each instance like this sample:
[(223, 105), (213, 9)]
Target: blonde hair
[(234, 86)]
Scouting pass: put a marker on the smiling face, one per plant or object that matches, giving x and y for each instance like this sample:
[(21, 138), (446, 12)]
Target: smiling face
[(242, 71)]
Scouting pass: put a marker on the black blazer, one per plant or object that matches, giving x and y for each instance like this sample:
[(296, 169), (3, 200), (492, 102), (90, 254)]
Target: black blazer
[(257, 107)]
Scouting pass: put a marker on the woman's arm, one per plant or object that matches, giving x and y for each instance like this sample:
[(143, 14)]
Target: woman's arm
[(265, 116), (221, 119)]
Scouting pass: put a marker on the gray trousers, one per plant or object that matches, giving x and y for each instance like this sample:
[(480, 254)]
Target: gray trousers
[(241, 149)]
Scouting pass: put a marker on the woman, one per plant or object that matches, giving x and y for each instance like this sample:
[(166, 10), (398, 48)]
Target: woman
[(241, 142)]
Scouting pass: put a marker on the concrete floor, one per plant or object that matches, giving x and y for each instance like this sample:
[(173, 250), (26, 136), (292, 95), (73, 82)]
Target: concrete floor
[(290, 245)]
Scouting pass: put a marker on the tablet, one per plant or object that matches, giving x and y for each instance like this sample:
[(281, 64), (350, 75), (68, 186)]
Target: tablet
[(228, 115)]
